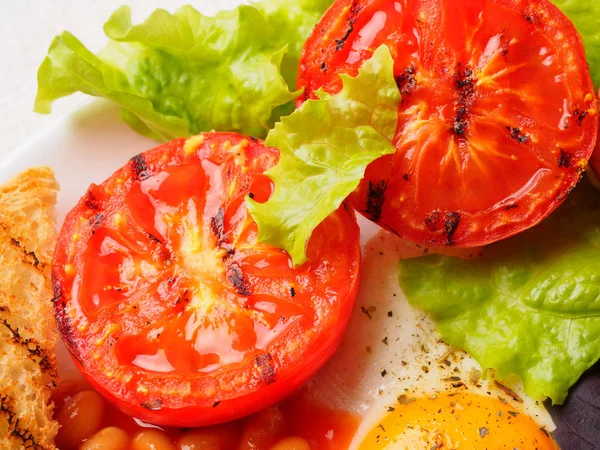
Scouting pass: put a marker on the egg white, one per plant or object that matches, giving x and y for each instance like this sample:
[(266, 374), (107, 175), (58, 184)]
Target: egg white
[(392, 349)]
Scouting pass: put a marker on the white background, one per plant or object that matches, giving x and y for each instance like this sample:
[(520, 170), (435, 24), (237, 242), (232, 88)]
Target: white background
[(25, 34)]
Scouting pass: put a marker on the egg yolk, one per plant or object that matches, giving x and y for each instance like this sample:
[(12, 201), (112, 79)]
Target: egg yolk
[(456, 421)]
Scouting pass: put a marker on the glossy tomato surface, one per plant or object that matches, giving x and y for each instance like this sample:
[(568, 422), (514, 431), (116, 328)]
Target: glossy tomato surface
[(498, 117), (169, 305)]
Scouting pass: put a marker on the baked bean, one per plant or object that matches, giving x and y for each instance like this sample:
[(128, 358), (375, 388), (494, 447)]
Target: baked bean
[(291, 443), (152, 439), (262, 430), (79, 418), (221, 437), (112, 438), (62, 392)]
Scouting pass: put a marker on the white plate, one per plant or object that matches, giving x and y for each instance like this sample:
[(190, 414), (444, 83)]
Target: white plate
[(82, 148), (88, 145)]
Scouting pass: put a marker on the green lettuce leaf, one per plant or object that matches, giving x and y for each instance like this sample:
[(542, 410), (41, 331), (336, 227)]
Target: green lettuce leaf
[(585, 14), (325, 146), (291, 24), (179, 74), (530, 306)]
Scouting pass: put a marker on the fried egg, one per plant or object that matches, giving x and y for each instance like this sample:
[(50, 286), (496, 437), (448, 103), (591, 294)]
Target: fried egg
[(409, 388)]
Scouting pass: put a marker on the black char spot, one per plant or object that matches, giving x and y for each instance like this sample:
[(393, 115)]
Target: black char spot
[(139, 167), (580, 116), (465, 93), (237, 279), (154, 238), (451, 223), (266, 367), (517, 135), (406, 81), (342, 41), (432, 221), (63, 322), (356, 8), (90, 198), (217, 225), (375, 199), (564, 159)]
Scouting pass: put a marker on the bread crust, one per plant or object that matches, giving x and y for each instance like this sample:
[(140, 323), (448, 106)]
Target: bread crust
[(28, 369)]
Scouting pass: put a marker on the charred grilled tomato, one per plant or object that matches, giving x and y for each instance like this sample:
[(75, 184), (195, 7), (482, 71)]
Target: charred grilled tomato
[(169, 305), (498, 116)]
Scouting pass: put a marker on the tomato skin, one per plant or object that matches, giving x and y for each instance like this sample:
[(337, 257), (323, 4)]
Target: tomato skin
[(498, 116), (171, 308)]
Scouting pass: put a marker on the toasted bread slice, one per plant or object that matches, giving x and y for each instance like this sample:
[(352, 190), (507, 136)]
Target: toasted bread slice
[(27, 330)]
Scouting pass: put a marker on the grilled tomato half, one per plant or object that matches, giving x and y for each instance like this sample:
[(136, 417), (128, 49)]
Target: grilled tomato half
[(498, 116), (170, 306)]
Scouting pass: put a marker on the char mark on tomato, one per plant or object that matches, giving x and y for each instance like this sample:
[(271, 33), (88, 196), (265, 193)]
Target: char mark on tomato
[(153, 238), (517, 135), (564, 159), (432, 221), (376, 199), (266, 367), (406, 81), (354, 10), (65, 325), (579, 116), (139, 168), (451, 223), (465, 94), (564, 193), (238, 280), (90, 199), (185, 297), (217, 225), (340, 42)]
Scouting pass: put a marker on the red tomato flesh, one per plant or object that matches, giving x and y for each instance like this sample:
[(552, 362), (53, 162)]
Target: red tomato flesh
[(170, 306), (498, 117)]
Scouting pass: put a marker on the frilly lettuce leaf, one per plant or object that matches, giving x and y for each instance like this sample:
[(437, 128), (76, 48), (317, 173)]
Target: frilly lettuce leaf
[(179, 74), (325, 146), (530, 306), (291, 23), (585, 14)]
